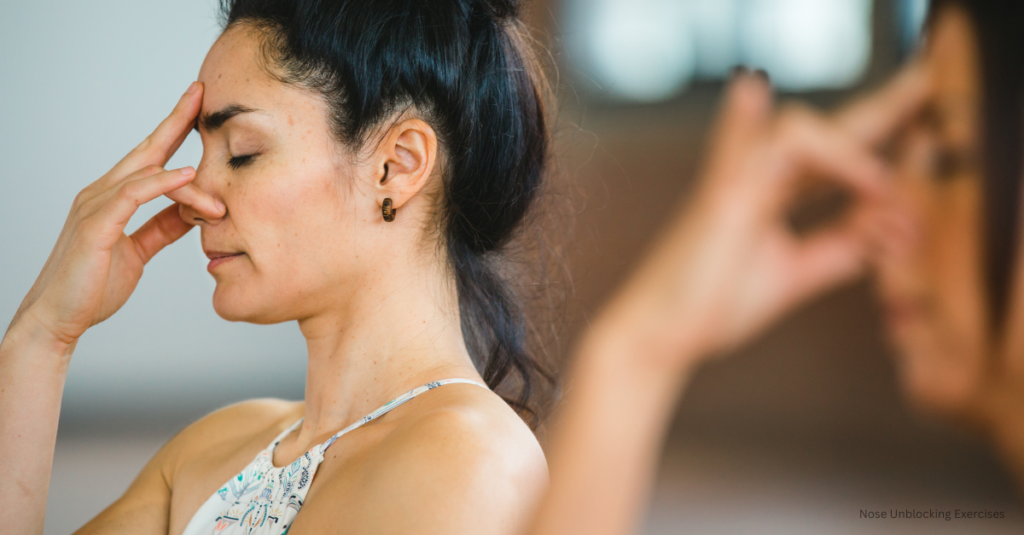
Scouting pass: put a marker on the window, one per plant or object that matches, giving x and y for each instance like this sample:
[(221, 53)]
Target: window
[(650, 50)]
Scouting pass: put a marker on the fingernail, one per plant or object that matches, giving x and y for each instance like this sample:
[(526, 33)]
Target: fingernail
[(192, 88), (221, 207), (187, 170)]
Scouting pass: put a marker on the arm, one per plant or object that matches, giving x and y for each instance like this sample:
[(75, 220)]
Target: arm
[(145, 504), (92, 270), (723, 271)]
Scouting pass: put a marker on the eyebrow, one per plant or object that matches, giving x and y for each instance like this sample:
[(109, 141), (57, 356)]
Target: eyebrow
[(213, 121)]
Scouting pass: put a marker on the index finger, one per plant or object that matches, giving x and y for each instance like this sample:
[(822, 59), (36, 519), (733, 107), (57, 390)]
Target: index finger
[(874, 118), (159, 146), (821, 150)]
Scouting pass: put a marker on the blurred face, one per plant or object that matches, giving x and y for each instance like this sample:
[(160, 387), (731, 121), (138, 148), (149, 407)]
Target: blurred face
[(931, 284), (297, 221)]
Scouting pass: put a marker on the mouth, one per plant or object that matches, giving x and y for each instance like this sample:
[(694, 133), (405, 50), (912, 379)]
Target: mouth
[(218, 257)]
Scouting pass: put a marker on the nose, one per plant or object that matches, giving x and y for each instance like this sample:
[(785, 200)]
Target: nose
[(202, 204), (901, 225)]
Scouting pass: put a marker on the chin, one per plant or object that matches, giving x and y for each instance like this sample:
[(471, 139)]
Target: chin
[(939, 383), (235, 302)]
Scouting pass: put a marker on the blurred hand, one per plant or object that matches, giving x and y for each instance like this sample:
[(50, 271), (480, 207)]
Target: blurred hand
[(94, 267), (730, 265)]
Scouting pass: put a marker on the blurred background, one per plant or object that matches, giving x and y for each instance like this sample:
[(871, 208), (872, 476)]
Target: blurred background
[(796, 433)]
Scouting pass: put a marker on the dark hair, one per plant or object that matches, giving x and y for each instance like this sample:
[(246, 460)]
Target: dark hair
[(464, 66), (999, 33)]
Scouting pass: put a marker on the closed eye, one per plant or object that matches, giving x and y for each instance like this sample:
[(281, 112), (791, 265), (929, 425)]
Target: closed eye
[(236, 162)]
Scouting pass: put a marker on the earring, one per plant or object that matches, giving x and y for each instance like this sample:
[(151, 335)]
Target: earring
[(388, 211)]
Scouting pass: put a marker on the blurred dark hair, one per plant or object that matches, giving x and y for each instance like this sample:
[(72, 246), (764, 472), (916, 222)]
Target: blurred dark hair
[(465, 67), (999, 32)]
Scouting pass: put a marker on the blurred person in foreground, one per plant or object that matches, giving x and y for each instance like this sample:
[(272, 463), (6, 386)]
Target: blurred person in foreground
[(935, 159)]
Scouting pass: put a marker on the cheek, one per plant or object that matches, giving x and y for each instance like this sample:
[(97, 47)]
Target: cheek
[(946, 352), (295, 224), (954, 258)]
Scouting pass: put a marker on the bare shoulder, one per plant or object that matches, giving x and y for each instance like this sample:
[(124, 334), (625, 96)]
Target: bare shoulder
[(470, 437), (236, 423), (187, 468), (460, 461), (469, 428)]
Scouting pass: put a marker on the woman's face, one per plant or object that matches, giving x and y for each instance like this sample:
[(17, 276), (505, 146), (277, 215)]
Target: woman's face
[(931, 283), (297, 218)]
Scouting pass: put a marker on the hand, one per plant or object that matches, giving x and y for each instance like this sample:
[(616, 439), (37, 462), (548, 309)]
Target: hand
[(94, 267), (730, 265)]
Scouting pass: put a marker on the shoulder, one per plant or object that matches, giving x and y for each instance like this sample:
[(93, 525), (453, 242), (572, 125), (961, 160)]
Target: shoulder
[(235, 426), (242, 419), (204, 445), (464, 463), (461, 461), (248, 413), (469, 431)]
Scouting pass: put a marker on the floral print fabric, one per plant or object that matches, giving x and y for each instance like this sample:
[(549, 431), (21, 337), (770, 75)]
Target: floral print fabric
[(263, 499)]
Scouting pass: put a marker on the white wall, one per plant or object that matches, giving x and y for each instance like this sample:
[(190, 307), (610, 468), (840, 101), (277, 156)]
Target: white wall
[(83, 83)]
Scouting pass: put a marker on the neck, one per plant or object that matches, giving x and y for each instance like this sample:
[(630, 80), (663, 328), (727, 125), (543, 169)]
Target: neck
[(397, 332)]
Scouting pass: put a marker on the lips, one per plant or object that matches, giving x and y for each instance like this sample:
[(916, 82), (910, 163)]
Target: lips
[(220, 257)]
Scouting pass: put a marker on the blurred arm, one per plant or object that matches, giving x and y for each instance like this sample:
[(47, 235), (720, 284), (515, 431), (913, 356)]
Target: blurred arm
[(722, 272)]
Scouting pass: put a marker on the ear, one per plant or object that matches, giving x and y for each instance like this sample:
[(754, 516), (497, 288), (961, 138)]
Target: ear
[(407, 158)]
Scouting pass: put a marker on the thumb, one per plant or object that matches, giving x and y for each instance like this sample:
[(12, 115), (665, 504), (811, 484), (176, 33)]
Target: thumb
[(160, 231)]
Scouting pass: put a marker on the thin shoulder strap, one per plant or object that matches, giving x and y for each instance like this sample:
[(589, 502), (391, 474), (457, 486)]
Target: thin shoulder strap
[(391, 405)]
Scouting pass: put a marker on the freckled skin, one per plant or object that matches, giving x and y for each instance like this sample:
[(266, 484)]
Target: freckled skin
[(292, 210)]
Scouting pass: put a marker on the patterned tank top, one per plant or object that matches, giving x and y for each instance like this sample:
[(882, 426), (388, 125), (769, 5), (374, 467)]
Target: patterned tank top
[(263, 499)]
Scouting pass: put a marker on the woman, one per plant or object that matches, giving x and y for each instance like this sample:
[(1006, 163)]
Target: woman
[(952, 291), (940, 222), (363, 165)]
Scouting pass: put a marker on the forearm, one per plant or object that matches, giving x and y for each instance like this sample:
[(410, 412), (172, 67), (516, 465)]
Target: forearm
[(33, 367), (608, 434)]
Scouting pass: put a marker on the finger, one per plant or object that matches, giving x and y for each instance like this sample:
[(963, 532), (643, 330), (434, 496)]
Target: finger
[(872, 119), (745, 113), (173, 130), (820, 150), (199, 200), (160, 231), (159, 146), (123, 201), (830, 257), (830, 260), (892, 234)]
